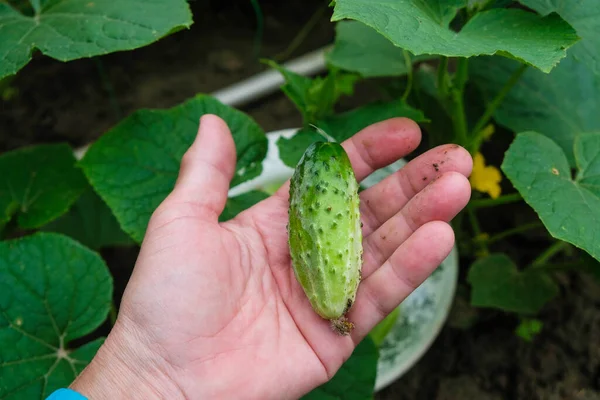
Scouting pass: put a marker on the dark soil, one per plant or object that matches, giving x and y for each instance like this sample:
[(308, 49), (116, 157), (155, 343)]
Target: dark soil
[(489, 362), (72, 102)]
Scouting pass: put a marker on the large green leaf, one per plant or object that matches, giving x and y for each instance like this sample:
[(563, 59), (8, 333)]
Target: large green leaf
[(239, 203), (52, 291), (133, 167), (361, 49), (559, 105), (584, 16), (421, 27), (569, 208), (355, 380), (72, 29), (497, 283), (38, 184), (343, 126), (91, 223)]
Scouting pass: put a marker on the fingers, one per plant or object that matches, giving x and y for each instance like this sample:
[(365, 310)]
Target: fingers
[(207, 168), (376, 146), (439, 201), (383, 200), (405, 270), (381, 144)]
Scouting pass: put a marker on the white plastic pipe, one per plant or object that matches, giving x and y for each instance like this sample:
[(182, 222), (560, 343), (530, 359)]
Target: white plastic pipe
[(260, 85), (269, 81)]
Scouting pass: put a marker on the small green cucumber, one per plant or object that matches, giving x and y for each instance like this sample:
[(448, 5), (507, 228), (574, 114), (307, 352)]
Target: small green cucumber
[(325, 235)]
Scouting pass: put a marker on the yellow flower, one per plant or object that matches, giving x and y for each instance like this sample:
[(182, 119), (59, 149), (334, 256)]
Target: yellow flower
[(485, 179)]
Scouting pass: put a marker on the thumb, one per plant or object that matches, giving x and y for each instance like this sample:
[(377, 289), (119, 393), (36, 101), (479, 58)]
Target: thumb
[(207, 168)]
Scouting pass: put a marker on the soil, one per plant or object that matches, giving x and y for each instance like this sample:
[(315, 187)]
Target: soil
[(78, 101), (489, 362)]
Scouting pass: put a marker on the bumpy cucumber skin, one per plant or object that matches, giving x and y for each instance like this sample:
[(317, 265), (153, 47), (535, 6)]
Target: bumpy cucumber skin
[(325, 236)]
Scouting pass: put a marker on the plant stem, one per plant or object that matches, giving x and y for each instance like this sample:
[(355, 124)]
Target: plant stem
[(476, 229), (461, 75), (459, 120), (259, 27), (409, 75), (302, 34), (549, 253), (474, 221), (563, 266), (506, 199), (459, 117), (476, 133), (442, 77), (514, 231)]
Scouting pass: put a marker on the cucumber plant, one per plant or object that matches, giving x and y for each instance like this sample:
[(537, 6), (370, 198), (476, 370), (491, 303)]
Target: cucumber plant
[(527, 70)]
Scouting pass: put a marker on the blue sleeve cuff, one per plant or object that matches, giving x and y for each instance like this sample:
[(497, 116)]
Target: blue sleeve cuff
[(66, 394)]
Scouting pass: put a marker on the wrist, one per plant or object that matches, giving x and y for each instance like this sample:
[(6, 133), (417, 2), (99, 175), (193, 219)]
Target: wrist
[(125, 368)]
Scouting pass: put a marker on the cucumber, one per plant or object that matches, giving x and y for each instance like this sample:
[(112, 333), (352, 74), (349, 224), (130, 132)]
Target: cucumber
[(324, 231)]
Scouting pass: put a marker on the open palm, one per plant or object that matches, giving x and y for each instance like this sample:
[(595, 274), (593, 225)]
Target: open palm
[(218, 305)]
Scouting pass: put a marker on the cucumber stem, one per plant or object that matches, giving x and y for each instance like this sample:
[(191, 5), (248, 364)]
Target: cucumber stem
[(342, 326)]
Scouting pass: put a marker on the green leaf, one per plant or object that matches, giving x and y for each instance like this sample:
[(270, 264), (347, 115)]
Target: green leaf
[(133, 167), (442, 11), (239, 203), (292, 149), (38, 184), (497, 283), (71, 29), (296, 86), (361, 49), (343, 126), (587, 154), (324, 93), (421, 27), (52, 291), (528, 328), (91, 223), (315, 98), (584, 16), (478, 5), (559, 105), (569, 208), (381, 330), (355, 380)]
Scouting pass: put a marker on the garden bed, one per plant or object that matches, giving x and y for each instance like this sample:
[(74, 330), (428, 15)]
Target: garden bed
[(78, 101)]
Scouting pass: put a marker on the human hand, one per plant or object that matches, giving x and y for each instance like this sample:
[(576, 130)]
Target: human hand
[(213, 310)]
